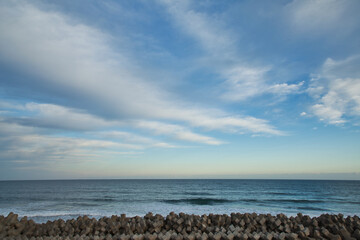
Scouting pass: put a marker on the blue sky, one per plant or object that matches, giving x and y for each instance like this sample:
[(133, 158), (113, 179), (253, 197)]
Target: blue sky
[(179, 89)]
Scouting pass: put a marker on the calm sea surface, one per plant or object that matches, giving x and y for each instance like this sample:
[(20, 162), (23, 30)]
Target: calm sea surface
[(49, 200)]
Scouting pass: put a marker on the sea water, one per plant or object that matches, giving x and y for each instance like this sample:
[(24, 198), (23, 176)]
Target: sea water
[(54, 199)]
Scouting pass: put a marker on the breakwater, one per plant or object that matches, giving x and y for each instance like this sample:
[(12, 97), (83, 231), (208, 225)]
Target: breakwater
[(185, 227)]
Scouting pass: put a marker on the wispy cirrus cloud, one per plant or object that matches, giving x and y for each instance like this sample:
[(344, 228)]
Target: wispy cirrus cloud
[(177, 132), (24, 143), (135, 138), (241, 80), (55, 117), (77, 63), (50, 116), (246, 82)]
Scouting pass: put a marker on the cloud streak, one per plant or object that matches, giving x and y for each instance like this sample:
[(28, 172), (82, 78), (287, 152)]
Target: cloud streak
[(25, 144), (50, 116), (77, 63), (54, 116), (241, 80), (177, 132)]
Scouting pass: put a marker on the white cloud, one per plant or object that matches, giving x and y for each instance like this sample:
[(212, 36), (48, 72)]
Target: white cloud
[(244, 82), (135, 138), (241, 80), (331, 19), (303, 114), (316, 15), (76, 62), (74, 58), (337, 90), (177, 132), (60, 117), (284, 88), (12, 106), (129, 137), (234, 124), (56, 116), (23, 143), (328, 113), (210, 32)]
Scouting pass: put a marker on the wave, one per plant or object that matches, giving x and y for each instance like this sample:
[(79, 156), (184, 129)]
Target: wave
[(61, 214), (313, 208), (104, 199), (53, 198), (196, 193), (253, 200), (352, 202), (340, 200), (84, 204), (295, 201), (198, 201), (206, 200), (282, 193)]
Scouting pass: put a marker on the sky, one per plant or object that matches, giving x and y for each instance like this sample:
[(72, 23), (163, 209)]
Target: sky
[(179, 89)]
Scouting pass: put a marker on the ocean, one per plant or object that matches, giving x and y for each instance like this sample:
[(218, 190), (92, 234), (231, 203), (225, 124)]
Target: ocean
[(66, 199)]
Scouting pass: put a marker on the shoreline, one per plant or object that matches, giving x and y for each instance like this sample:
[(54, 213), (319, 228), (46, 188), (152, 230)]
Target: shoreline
[(236, 226)]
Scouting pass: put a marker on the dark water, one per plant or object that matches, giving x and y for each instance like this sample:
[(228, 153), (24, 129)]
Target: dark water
[(49, 200)]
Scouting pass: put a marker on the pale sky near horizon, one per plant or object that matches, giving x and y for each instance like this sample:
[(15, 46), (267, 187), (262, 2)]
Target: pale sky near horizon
[(180, 89)]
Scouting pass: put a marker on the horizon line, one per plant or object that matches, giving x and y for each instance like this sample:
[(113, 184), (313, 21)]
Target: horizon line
[(109, 179)]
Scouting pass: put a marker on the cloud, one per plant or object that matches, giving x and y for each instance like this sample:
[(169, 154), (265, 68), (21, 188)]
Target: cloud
[(50, 116), (129, 137), (22, 143), (77, 63), (75, 60), (328, 113), (336, 90), (315, 18), (245, 82), (59, 117), (177, 132), (135, 138), (284, 88), (201, 27), (241, 80)]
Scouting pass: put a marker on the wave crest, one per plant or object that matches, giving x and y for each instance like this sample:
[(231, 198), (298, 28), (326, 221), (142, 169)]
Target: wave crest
[(198, 201)]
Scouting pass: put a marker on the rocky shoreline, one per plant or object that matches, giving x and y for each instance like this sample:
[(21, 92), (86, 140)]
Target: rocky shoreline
[(182, 226)]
